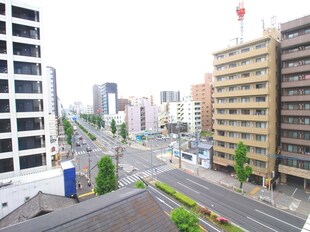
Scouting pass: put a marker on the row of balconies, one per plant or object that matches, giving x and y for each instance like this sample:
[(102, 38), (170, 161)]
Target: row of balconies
[(22, 86), (24, 68)]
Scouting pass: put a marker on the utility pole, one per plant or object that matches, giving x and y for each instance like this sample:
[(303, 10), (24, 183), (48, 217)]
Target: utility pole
[(180, 152), (89, 171), (119, 153)]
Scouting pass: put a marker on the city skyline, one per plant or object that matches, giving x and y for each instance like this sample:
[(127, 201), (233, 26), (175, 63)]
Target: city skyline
[(145, 47)]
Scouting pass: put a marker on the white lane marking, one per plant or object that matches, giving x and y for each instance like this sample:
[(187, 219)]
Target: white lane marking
[(162, 201), (197, 183), (185, 209), (130, 178), (294, 192), (188, 187), (120, 183), (277, 219), (126, 181), (261, 224)]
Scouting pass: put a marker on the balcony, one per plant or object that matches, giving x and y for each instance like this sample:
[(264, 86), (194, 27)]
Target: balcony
[(295, 55), (241, 56), (4, 106), (21, 49), (29, 124), (241, 93), (26, 31), (252, 130), (292, 84), (22, 13), (300, 127), (242, 80), (28, 86), (303, 173), (32, 142), (241, 68), (295, 112), (293, 42), (298, 141), (5, 125), (26, 68), (258, 118), (295, 98), (296, 69), (241, 105), (29, 105)]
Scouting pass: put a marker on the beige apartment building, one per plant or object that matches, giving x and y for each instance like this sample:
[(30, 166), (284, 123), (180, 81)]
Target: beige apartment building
[(203, 93), (246, 87)]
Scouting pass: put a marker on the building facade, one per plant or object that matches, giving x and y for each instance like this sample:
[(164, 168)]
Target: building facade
[(122, 103), (109, 98), (188, 112), (24, 111), (246, 80), (141, 117), (169, 96), (97, 100), (295, 102), (203, 93)]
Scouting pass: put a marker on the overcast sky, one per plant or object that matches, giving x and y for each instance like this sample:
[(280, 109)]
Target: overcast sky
[(145, 46)]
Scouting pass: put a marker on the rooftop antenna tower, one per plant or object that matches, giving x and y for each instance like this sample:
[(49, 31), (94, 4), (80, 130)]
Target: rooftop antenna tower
[(240, 13)]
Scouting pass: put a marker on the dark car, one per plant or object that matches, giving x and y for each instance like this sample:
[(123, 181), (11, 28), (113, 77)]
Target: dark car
[(88, 149), (78, 144)]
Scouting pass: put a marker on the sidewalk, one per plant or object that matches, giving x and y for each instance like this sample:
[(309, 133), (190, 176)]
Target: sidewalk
[(299, 204)]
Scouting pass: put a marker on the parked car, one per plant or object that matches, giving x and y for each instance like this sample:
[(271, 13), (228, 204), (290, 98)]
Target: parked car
[(84, 142), (77, 144), (88, 149)]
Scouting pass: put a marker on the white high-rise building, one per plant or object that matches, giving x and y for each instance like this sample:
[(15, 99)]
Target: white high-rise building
[(24, 116)]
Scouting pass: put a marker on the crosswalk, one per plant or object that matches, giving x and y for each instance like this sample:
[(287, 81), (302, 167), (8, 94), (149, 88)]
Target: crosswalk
[(133, 178), (84, 152)]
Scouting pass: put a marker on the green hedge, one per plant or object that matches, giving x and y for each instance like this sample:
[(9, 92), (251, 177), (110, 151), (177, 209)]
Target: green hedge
[(166, 188), (184, 199)]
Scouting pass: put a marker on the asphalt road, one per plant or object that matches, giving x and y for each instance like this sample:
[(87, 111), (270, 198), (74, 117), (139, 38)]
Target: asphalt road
[(245, 212)]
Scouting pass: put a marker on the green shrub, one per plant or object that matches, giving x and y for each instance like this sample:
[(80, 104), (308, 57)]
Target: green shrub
[(184, 199), (164, 187)]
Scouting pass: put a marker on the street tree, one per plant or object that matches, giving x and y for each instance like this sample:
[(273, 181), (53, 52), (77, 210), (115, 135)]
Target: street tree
[(123, 131), (113, 127), (139, 184), (106, 178), (243, 171), (184, 220)]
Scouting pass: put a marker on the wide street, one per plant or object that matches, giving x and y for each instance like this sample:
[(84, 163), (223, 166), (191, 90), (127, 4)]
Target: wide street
[(250, 214)]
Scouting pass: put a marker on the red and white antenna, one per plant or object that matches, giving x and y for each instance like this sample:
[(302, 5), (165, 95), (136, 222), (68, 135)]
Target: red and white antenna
[(240, 13)]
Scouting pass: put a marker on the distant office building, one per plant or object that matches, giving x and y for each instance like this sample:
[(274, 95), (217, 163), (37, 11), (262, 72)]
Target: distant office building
[(141, 117), (97, 100), (89, 109), (169, 96), (52, 87), (246, 96), (203, 93), (109, 98), (295, 102), (122, 102), (136, 101)]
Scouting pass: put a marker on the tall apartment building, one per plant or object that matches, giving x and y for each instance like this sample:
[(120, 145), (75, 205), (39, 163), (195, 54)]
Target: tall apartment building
[(188, 112), (169, 96), (24, 116), (97, 100), (203, 93), (246, 80), (295, 102), (109, 98), (141, 117)]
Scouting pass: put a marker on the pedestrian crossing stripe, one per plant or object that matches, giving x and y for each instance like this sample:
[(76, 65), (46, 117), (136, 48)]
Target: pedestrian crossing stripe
[(131, 179)]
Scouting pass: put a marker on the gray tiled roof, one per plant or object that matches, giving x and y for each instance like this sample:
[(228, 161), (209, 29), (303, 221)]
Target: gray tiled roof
[(40, 203), (126, 209)]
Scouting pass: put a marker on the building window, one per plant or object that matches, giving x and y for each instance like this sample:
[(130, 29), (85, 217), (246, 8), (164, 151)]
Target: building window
[(246, 62), (261, 151), (260, 99), (260, 73), (292, 35), (258, 163), (261, 138), (245, 87), (261, 125), (232, 53), (245, 136), (262, 45), (245, 50), (243, 75), (245, 99), (245, 112), (4, 204), (6, 165), (233, 65), (245, 124), (232, 77), (260, 86)]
